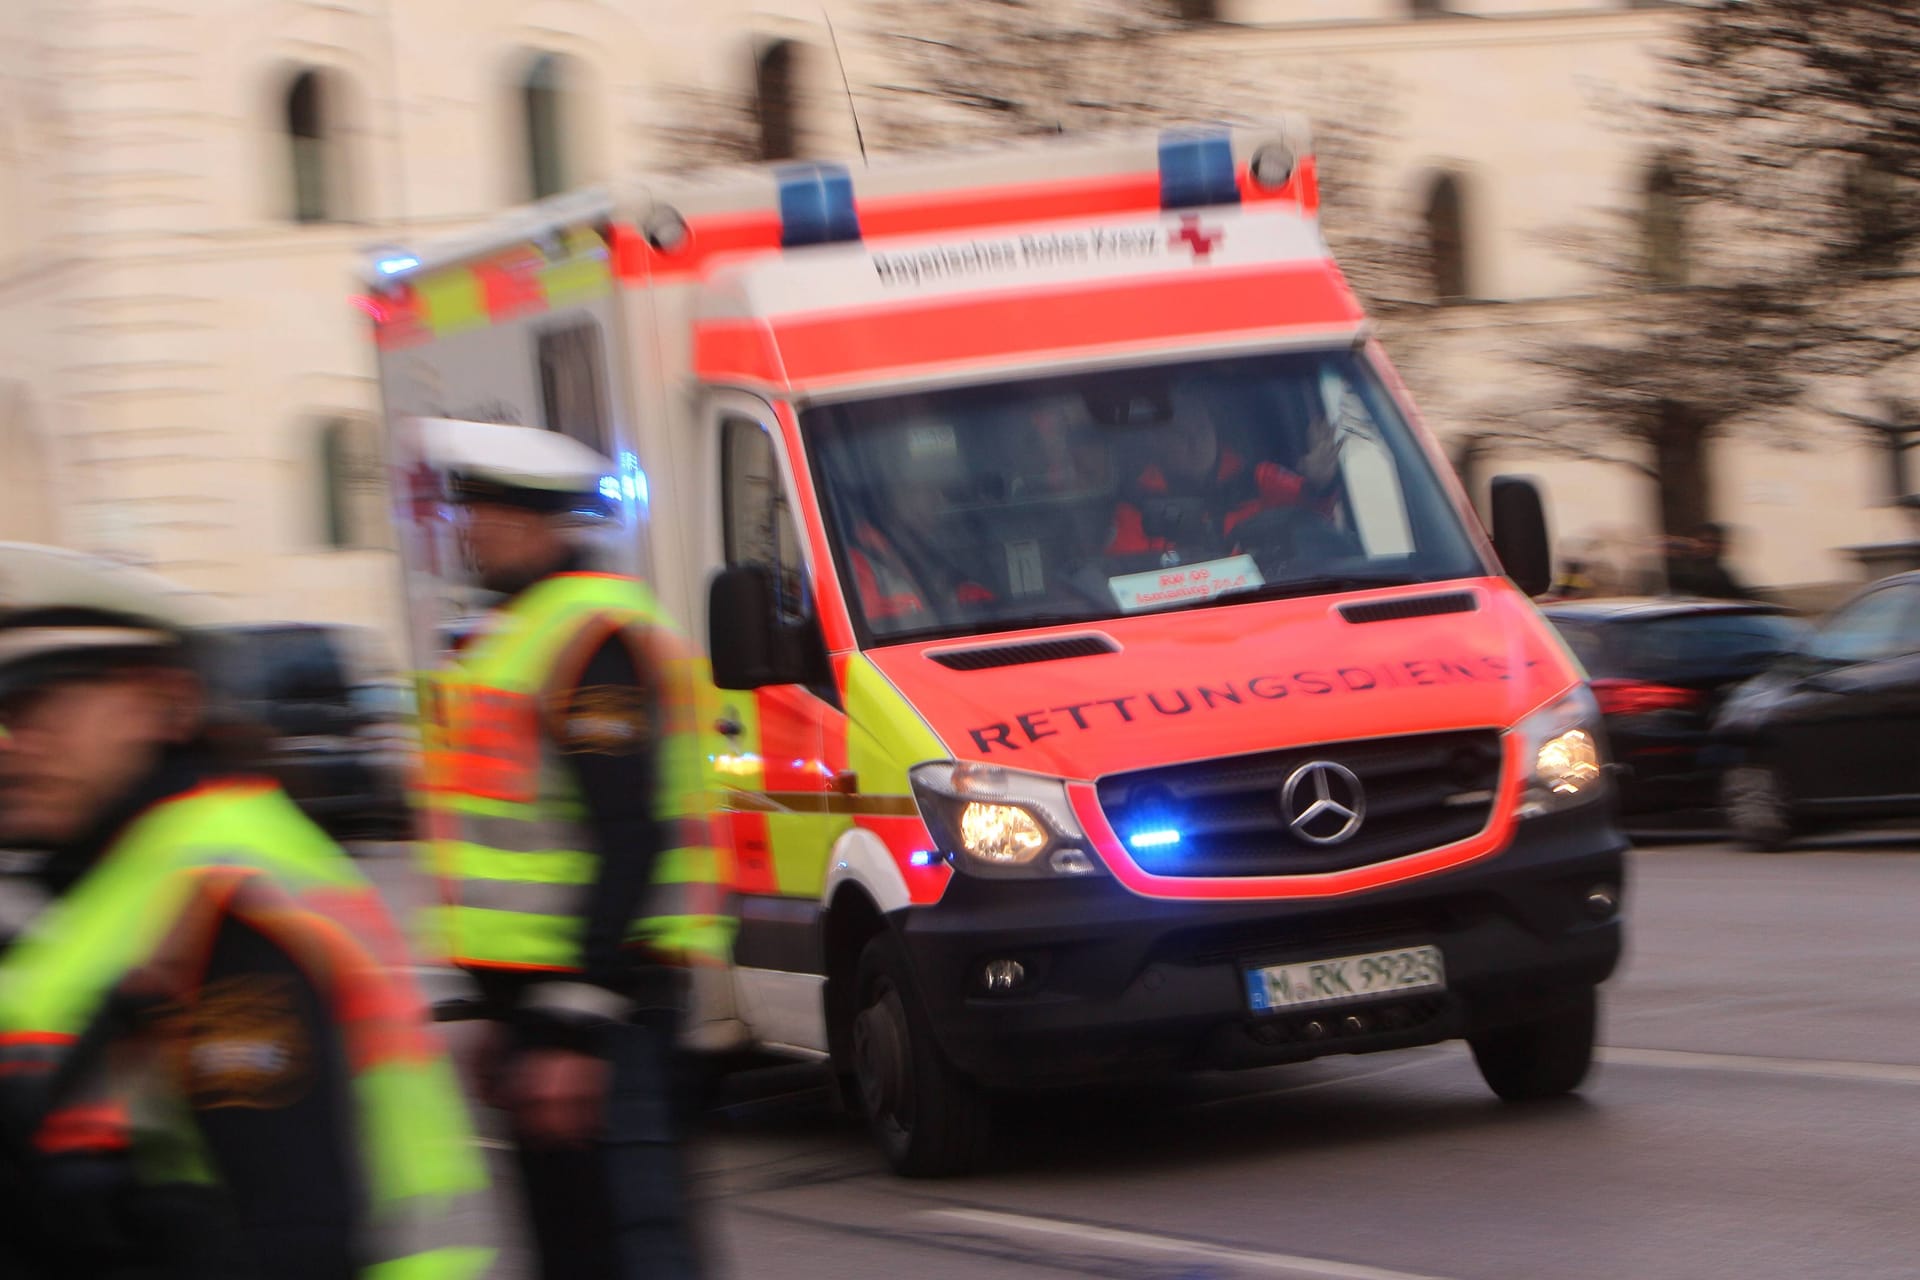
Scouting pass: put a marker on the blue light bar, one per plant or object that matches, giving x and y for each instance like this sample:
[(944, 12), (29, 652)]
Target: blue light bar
[(1154, 839), (395, 265), (1196, 169), (920, 858), (816, 205)]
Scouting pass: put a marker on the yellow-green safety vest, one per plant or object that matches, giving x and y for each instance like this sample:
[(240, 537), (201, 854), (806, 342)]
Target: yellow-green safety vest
[(140, 921), (506, 824)]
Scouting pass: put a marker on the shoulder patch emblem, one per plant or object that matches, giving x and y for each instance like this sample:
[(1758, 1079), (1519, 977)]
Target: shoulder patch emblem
[(243, 1045), (603, 720)]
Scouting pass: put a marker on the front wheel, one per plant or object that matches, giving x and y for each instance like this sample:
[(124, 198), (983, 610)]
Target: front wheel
[(1544, 1058), (929, 1119)]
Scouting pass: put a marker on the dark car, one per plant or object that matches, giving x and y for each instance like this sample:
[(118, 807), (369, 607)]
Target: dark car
[(1660, 670), (323, 726), (1830, 735)]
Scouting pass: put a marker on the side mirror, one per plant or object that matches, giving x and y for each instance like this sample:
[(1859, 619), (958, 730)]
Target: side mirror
[(750, 647), (1520, 533)]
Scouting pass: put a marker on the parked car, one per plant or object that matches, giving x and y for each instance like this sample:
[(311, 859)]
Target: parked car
[(1830, 735), (1660, 670), (333, 733)]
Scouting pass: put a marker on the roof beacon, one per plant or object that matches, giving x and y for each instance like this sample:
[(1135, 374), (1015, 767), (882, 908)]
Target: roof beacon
[(816, 205), (1196, 169)]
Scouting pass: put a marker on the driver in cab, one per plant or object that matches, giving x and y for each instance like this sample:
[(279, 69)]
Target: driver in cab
[(1185, 505)]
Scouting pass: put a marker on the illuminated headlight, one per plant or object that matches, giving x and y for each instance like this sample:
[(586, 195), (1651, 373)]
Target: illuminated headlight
[(1002, 822), (1568, 764), (1562, 743), (1000, 833)]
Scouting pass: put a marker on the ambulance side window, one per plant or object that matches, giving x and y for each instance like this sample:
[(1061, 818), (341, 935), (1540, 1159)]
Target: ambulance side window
[(759, 524), (573, 384)]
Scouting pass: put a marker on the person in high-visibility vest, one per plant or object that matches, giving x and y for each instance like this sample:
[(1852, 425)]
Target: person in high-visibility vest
[(212, 1059), (569, 822)]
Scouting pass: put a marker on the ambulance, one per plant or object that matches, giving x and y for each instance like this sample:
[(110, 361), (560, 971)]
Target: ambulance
[(1110, 676)]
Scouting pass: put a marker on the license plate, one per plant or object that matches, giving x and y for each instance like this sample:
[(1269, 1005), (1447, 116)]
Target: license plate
[(1306, 983)]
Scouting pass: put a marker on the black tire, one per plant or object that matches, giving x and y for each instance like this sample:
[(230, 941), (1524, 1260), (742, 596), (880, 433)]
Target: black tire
[(1759, 813), (929, 1119), (1545, 1058)]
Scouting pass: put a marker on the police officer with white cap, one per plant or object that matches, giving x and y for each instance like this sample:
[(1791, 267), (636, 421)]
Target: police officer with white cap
[(567, 813), (212, 1063)]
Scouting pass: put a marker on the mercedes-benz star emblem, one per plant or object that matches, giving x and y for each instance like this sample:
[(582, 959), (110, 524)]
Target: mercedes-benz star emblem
[(1323, 802)]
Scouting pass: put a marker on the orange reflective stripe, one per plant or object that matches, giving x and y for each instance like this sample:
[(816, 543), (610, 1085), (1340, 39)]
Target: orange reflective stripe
[(103, 1126), (493, 745)]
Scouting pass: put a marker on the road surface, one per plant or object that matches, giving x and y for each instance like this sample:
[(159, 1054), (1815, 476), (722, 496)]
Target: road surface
[(1754, 1115)]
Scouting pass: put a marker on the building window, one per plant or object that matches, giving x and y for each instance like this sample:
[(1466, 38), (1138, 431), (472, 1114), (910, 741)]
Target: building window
[(1427, 8), (352, 484), (1446, 240), (1873, 198), (543, 110), (1664, 225), (774, 102), (308, 149), (1196, 10)]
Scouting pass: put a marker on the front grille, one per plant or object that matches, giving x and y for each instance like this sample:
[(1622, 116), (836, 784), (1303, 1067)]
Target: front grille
[(1421, 792)]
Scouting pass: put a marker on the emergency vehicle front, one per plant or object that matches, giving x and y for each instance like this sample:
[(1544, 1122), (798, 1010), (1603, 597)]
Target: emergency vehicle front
[(1111, 674)]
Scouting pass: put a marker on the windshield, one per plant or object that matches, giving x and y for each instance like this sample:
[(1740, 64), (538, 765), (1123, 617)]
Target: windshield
[(1079, 498)]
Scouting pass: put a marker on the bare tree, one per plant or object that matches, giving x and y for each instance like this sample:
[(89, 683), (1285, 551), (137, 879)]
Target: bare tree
[(1789, 133)]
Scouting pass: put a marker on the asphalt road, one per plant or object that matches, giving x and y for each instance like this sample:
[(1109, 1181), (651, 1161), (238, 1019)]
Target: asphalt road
[(1754, 1116)]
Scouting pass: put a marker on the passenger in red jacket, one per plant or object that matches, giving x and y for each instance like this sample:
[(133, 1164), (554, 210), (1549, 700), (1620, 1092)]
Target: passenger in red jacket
[(1186, 505)]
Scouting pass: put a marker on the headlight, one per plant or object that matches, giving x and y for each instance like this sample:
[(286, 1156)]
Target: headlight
[(1002, 822), (1561, 743), (1004, 834)]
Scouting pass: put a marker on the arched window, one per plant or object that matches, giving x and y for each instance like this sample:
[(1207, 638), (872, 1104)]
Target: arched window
[(774, 101), (308, 149), (352, 484), (1663, 225), (1873, 201), (1446, 240), (543, 111)]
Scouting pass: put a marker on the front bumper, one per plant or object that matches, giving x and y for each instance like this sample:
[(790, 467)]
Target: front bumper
[(1119, 985)]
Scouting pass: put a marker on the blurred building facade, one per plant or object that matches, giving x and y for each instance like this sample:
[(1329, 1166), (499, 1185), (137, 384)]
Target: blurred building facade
[(186, 187)]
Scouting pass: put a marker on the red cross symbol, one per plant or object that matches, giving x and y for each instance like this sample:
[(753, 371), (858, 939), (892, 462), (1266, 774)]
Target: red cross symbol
[(1190, 234)]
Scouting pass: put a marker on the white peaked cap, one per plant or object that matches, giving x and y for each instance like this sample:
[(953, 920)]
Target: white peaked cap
[(511, 456), (146, 610)]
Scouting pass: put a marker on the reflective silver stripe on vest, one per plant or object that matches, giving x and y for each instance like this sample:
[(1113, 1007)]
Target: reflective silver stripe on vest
[(519, 835), (525, 897), (21, 902), (461, 1225), (576, 997)]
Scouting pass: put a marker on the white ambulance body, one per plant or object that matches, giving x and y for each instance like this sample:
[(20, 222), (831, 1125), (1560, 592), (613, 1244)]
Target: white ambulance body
[(1037, 767)]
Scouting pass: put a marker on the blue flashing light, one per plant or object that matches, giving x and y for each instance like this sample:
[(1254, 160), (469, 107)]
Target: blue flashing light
[(633, 481), (816, 205), (610, 488), (1196, 169), (1159, 839), (396, 264), (920, 858)]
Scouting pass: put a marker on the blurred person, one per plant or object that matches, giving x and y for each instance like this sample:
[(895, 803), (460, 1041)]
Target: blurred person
[(1186, 503), (1697, 567), (212, 1061), (566, 816), (902, 572)]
